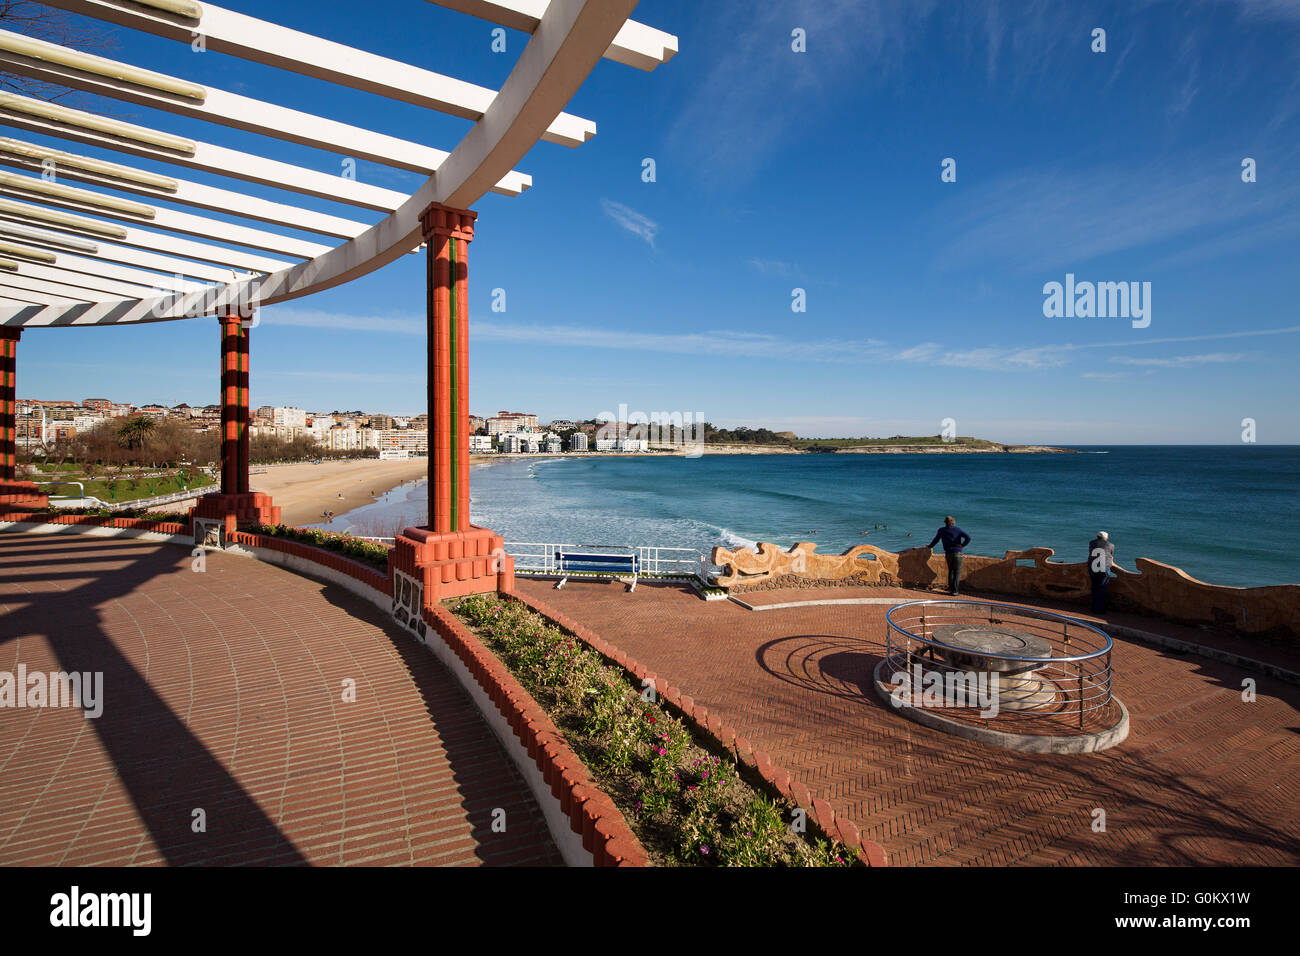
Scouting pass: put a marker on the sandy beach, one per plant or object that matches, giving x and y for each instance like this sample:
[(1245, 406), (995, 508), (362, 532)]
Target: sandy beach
[(305, 490)]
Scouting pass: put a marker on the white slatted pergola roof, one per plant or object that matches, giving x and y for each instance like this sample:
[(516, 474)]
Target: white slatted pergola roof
[(101, 242)]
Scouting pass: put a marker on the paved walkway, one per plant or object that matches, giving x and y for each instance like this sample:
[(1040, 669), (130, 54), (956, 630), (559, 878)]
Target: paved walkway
[(224, 705), (1204, 777)]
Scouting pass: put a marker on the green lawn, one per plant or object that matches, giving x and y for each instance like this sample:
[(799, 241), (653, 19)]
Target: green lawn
[(128, 488)]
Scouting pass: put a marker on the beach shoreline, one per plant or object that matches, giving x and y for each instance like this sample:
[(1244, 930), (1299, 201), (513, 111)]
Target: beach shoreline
[(304, 491)]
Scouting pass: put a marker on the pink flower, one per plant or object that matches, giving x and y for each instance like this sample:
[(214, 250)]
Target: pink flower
[(704, 850)]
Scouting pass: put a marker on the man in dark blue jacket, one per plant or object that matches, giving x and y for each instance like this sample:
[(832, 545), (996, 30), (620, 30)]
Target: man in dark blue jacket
[(954, 539)]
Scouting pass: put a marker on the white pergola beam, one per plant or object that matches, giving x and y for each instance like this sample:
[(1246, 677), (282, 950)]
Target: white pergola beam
[(563, 51), (94, 282), (173, 221), (22, 298), (264, 42), (251, 115), (189, 193), (170, 245), (221, 160), (636, 44), (69, 293), (569, 37), (139, 277), (106, 252)]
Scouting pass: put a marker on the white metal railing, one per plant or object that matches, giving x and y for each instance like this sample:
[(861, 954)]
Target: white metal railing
[(92, 501), (537, 557)]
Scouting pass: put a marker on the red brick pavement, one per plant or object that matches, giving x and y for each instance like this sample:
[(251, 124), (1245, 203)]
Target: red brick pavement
[(224, 691), (1203, 778)]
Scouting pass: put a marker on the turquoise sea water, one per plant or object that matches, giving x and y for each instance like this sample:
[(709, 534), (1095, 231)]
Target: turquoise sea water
[(1224, 514)]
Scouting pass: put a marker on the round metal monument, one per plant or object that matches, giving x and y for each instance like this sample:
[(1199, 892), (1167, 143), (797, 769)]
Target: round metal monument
[(1012, 676), (1013, 655)]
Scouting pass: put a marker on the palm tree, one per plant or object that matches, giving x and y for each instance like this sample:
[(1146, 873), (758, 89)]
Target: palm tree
[(135, 432)]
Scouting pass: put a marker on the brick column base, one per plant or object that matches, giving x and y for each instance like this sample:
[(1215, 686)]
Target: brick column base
[(243, 509), (452, 563), (22, 496)]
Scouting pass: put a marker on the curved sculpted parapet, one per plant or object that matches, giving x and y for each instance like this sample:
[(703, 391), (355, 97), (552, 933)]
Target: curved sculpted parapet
[(1157, 589)]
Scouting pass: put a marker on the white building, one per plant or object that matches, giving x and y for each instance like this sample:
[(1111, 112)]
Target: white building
[(288, 417), (410, 442), (554, 446), (480, 444), (606, 444), (633, 444), (577, 442), (504, 423), (510, 444)]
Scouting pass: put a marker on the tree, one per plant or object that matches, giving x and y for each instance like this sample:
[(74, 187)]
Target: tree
[(40, 22), (135, 432)]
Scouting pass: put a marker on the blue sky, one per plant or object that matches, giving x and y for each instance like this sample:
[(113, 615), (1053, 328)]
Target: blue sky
[(820, 170)]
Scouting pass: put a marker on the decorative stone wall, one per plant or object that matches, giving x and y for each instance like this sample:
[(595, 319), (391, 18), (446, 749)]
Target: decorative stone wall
[(1155, 589)]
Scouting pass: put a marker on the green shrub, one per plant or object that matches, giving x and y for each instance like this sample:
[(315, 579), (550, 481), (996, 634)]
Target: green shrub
[(688, 805), (367, 552)]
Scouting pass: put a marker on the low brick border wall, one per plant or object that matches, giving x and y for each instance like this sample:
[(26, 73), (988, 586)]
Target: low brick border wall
[(364, 573), (95, 521), (591, 815), (757, 761), (590, 811)]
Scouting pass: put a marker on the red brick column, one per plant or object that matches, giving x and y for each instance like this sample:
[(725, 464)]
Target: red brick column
[(236, 504), (234, 406), (451, 556), (13, 493)]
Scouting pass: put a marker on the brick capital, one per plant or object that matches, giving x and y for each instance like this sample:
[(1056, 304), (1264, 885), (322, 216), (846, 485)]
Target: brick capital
[(440, 220)]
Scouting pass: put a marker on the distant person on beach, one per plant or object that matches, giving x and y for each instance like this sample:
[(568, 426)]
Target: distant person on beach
[(1101, 558), (954, 539)]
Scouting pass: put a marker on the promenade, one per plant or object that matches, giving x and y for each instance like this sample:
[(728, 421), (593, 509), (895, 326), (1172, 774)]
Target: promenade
[(255, 716), (1204, 777), (225, 736)]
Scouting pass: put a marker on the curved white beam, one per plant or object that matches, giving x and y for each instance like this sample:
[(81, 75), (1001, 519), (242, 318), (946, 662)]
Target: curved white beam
[(635, 44), (570, 38), (564, 49)]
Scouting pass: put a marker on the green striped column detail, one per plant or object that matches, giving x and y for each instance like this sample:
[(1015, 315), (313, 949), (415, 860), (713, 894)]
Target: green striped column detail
[(455, 396)]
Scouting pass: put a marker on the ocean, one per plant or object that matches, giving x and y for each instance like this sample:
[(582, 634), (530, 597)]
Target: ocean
[(1223, 514)]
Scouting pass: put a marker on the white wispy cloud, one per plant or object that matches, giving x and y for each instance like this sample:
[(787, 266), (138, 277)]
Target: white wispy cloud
[(724, 341), (1062, 219), (277, 315), (634, 222), (991, 358), (1182, 361), (773, 267)]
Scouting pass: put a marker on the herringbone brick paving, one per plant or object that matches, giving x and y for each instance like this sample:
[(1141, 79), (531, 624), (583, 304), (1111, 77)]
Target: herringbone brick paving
[(1204, 778), (224, 691)]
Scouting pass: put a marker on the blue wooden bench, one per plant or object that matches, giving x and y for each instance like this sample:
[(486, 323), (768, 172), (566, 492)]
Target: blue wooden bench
[(617, 565)]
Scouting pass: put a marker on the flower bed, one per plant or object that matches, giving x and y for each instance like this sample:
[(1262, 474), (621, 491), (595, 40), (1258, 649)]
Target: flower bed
[(370, 553), (687, 804), (142, 514)]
